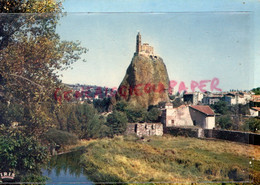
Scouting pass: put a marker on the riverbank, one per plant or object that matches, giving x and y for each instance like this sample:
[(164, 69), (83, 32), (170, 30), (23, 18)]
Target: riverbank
[(168, 159)]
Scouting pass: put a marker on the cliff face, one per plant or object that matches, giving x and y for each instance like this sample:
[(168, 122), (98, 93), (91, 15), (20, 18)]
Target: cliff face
[(146, 82)]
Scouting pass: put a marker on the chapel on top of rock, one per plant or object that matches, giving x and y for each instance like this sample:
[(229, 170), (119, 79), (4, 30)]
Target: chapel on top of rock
[(144, 49)]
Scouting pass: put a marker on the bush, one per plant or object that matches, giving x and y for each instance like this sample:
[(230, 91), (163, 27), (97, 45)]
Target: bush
[(120, 106), (153, 115), (136, 114), (60, 137), (22, 155), (221, 107), (252, 124), (102, 105), (117, 121), (225, 122)]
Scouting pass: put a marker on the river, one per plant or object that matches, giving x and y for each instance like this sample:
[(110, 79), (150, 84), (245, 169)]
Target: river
[(66, 169)]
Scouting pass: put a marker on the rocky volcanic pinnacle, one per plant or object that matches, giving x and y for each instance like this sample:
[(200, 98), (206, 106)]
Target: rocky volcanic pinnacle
[(146, 82)]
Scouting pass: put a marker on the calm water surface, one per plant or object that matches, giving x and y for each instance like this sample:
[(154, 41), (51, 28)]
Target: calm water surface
[(66, 169)]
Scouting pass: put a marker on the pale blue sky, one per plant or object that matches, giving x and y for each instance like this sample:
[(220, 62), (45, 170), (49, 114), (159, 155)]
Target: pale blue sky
[(198, 40)]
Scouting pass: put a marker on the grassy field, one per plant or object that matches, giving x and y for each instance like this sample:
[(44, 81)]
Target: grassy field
[(168, 159)]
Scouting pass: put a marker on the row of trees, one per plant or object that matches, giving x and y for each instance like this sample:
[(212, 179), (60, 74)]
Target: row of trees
[(86, 122)]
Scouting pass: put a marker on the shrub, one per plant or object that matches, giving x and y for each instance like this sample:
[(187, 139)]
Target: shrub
[(252, 124), (225, 122), (153, 114), (220, 107), (21, 154), (136, 114), (117, 121), (60, 137)]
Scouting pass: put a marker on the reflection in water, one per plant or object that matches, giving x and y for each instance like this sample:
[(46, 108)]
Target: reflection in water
[(65, 169)]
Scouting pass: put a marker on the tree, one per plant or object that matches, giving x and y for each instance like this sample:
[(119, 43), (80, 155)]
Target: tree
[(221, 107), (20, 24), (117, 121), (225, 122), (252, 124), (102, 105), (256, 91), (22, 155), (136, 114), (120, 106), (153, 115), (31, 54)]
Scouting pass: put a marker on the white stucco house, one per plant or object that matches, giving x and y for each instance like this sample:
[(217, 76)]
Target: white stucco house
[(195, 115)]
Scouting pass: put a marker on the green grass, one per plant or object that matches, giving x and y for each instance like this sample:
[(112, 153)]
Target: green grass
[(166, 159)]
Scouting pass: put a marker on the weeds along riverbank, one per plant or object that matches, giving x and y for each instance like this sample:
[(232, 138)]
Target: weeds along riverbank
[(168, 159)]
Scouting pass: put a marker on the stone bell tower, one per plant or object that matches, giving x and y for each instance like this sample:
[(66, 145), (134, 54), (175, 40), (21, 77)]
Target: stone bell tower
[(138, 43)]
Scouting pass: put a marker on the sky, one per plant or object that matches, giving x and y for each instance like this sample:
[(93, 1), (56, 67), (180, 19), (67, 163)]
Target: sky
[(198, 40)]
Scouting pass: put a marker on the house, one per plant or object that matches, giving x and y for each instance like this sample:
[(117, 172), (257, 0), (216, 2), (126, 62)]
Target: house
[(193, 97), (234, 98), (196, 115), (254, 111), (211, 99), (202, 116), (179, 116), (255, 101)]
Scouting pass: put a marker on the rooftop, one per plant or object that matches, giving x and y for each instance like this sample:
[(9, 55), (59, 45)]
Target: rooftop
[(255, 98), (205, 109), (256, 108)]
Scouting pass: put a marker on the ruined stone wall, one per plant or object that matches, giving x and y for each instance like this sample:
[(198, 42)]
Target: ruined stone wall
[(145, 129), (230, 135)]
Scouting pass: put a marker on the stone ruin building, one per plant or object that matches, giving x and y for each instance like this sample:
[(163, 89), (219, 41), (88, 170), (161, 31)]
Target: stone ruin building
[(145, 129)]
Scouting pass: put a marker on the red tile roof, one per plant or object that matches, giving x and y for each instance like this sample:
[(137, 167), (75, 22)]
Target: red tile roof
[(256, 108), (255, 98), (205, 109)]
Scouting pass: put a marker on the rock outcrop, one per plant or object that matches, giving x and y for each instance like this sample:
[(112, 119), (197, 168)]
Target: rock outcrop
[(146, 82)]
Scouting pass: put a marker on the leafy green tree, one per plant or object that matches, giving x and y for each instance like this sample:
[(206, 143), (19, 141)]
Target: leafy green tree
[(225, 122), (252, 124), (59, 138), (244, 109), (221, 107), (73, 124), (82, 120), (11, 113), (17, 24), (153, 115), (136, 114), (102, 105), (121, 106), (256, 91), (31, 53), (117, 121), (22, 155)]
